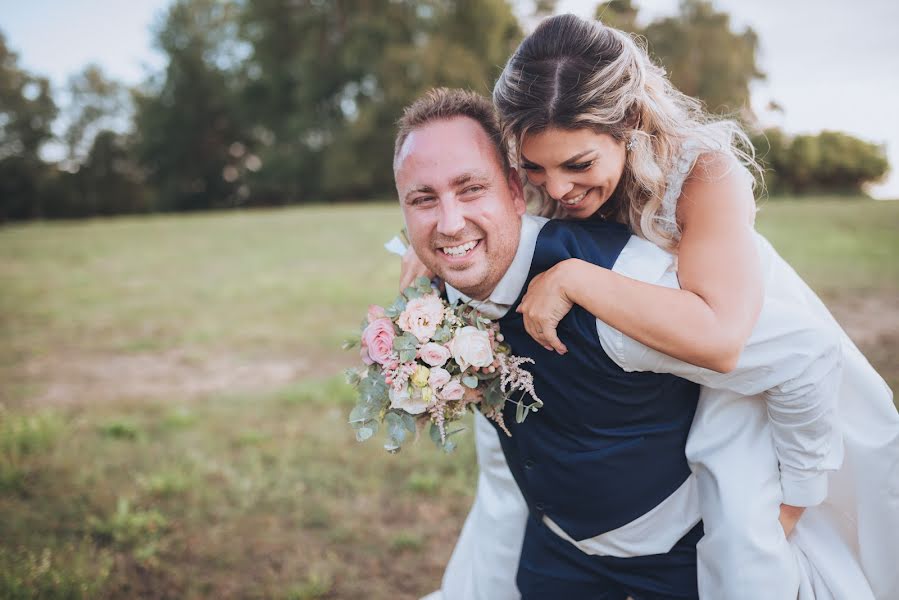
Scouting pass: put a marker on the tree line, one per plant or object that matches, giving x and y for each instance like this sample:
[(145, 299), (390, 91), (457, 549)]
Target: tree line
[(271, 102)]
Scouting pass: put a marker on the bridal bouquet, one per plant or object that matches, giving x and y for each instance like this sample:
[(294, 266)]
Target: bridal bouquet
[(428, 362)]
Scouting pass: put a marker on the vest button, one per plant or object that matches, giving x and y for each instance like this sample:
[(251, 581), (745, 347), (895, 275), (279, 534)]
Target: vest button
[(539, 506), (529, 464)]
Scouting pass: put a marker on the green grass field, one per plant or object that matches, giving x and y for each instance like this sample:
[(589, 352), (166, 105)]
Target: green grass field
[(173, 420)]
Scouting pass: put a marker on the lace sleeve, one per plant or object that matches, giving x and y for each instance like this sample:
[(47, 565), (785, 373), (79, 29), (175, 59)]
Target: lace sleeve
[(675, 185)]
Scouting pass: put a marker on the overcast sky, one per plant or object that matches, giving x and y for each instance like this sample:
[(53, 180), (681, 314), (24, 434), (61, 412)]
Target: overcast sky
[(830, 65)]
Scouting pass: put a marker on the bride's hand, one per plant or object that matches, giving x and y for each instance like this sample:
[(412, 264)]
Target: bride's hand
[(545, 304), (412, 268), (789, 516)]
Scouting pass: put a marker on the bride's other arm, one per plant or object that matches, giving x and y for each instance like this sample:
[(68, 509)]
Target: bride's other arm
[(705, 323)]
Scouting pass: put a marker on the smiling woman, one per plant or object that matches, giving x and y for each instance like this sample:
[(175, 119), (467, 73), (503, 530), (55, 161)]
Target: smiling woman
[(577, 166)]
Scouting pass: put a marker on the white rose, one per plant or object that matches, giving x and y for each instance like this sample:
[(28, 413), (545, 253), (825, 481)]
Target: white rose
[(403, 400), (422, 316), (471, 346)]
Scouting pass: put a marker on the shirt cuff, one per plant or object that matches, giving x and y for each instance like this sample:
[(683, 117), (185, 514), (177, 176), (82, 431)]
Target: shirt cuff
[(808, 491)]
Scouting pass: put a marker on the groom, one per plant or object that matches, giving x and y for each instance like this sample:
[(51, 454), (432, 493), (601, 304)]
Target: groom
[(610, 505)]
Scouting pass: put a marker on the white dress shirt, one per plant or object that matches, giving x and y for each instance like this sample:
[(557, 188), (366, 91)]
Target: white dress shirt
[(762, 435)]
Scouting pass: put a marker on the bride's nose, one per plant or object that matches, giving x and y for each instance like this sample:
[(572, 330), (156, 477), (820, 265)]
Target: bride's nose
[(557, 187)]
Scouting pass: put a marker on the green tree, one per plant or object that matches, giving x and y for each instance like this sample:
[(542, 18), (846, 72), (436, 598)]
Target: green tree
[(187, 117), (827, 162), (95, 103), (27, 112), (330, 79), (705, 58)]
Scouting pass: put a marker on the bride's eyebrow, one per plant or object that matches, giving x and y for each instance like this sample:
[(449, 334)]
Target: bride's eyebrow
[(570, 160)]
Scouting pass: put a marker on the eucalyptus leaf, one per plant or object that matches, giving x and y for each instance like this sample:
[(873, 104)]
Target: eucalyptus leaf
[(392, 448), (363, 433), (404, 342), (395, 427), (409, 422), (434, 432), (470, 381), (352, 377), (408, 355), (411, 293), (442, 335), (449, 446), (520, 412)]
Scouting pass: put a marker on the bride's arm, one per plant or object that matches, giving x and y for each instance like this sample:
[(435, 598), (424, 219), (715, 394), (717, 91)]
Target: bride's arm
[(705, 323)]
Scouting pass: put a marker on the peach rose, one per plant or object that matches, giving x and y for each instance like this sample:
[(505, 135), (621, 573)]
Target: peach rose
[(434, 354), (453, 390), (422, 316), (471, 346), (377, 340), (438, 378)]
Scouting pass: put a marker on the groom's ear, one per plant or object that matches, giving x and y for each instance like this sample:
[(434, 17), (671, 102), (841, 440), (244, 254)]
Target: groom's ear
[(517, 191)]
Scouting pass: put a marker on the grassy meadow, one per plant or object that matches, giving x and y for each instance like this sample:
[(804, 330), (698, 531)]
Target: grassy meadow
[(173, 418)]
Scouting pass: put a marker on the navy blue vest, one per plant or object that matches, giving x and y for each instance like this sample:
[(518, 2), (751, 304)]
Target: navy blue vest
[(608, 446)]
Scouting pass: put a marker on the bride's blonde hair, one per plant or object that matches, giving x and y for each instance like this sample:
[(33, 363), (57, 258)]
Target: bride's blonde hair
[(572, 73)]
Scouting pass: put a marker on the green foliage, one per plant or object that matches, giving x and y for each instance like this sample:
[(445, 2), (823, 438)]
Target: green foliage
[(77, 573), (406, 541), (703, 56), (128, 527), (828, 162), (189, 134), (120, 429), (27, 112), (315, 586), (23, 437), (166, 483)]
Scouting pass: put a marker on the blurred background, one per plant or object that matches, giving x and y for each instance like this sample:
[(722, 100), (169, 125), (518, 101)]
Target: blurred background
[(193, 201)]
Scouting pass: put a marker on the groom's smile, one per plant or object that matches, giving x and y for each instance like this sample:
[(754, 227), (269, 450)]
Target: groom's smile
[(462, 210)]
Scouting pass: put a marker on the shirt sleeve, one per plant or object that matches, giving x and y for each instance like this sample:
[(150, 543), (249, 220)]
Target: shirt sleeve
[(793, 361)]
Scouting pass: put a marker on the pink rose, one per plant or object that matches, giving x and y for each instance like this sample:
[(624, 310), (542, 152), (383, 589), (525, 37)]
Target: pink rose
[(422, 317), (453, 390), (434, 354), (375, 312), (438, 378), (471, 346), (377, 340)]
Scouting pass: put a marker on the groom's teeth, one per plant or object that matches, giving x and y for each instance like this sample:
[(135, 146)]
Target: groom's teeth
[(574, 201), (461, 249)]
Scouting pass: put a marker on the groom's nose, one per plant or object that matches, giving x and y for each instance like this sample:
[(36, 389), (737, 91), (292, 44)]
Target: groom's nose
[(451, 218)]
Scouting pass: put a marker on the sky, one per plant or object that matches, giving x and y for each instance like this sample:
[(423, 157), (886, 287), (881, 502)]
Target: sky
[(830, 64)]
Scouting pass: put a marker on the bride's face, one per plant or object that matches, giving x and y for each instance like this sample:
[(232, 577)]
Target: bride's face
[(578, 168)]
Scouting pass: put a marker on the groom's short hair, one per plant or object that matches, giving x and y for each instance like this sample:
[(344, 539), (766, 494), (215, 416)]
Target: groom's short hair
[(439, 104)]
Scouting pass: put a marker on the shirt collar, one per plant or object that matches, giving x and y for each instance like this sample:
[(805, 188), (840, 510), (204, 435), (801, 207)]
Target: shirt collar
[(509, 287)]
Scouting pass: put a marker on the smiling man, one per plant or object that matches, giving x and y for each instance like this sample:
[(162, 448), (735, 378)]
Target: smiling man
[(462, 202)]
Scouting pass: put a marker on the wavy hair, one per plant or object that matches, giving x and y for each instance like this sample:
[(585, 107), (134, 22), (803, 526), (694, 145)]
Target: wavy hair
[(572, 73)]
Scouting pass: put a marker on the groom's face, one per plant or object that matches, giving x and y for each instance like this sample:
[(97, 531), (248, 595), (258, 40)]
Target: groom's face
[(462, 209)]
